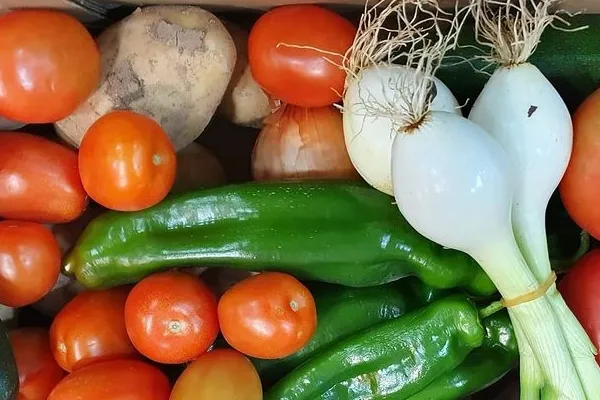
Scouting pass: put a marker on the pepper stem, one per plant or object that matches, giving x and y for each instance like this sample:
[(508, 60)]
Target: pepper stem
[(491, 309)]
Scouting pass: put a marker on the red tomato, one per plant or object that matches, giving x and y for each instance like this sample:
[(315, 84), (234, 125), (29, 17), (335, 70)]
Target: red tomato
[(171, 317), (91, 328), (270, 315), (127, 161), (114, 380), (579, 188), (49, 64), (579, 288), (39, 180), (29, 262), (38, 371), (222, 374), (300, 76)]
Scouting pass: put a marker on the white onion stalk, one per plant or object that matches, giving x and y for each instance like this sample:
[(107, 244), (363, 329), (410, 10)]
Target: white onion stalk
[(454, 184), (521, 109), (373, 80)]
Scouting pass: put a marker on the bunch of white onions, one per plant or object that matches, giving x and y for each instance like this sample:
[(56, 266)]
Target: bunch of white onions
[(480, 185)]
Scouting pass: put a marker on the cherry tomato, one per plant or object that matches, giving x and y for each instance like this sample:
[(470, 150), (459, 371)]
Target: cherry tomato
[(305, 77), (114, 380), (171, 317), (29, 262), (90, 329), (49, 64), (127, 161), (222, 374), (270, 315), (39, 180), (579, 288), (38, 371)]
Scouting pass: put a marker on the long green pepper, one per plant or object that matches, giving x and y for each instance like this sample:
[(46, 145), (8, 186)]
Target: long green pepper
[(338, 232), (391, 360), (343, 311)]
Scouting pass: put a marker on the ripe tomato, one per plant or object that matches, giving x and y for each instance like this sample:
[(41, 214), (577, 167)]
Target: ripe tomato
[(579, 189), (29, 262), (300, 76), (221, 374), (171, 317), (39, 180), (38, 371), (579, 288), (127, 161), (270, 315), (114, 380), (91, 328), (49, 64)]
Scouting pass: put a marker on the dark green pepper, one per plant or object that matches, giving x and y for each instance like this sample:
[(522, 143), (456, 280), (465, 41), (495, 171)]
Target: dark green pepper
[(337, 232), (343, 311), (483, 367), (392, 360)]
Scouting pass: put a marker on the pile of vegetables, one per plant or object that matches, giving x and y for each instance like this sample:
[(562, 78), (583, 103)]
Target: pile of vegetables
[(393, 239)]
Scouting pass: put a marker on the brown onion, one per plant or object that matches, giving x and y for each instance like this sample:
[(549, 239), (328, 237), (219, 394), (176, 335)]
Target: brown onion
[(301, 143)]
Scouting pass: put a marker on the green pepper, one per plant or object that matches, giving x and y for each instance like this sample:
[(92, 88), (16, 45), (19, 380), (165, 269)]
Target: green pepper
[(483, 367), (338, 232), (343, 311), (392, 360)]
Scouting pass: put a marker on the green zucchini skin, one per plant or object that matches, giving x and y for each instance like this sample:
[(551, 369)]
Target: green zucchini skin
[(9, 376), (336, 232), (570, 60)]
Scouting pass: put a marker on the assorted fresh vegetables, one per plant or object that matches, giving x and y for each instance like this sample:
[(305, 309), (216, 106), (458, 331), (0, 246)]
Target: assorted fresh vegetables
[(431, 280)]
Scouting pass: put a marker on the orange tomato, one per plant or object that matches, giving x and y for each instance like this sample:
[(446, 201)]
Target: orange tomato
[(127, 161), (222, 374), (29, 262), (171, 317), (39, 180), (270, 315), (579, 188), (90, 329), (38, 371), (49, 64), (114, 380), (305, 76)]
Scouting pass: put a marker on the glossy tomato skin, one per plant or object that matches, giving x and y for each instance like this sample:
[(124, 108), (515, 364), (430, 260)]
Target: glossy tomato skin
[(300, 76), (127, 161), (221, 374), (49, 64), (579, 188), (39, 180), (29, 262), (38, 371), (171, 317), (270, 315), (114, 380), (579, 288), (91, 329)]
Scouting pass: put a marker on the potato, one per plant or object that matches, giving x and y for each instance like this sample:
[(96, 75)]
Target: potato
[(244, 103), (197, 168), (172, 63)]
